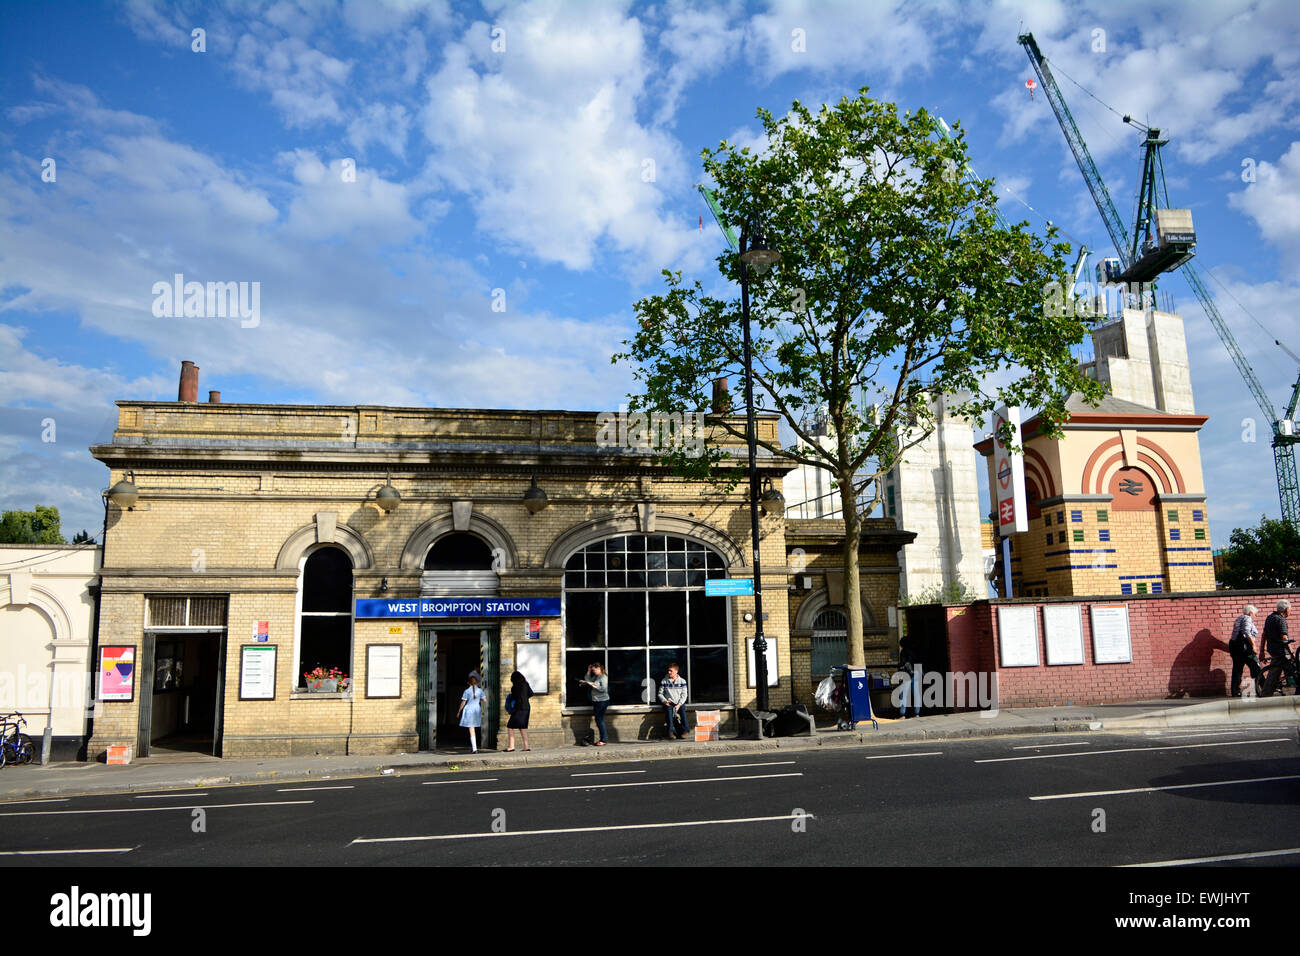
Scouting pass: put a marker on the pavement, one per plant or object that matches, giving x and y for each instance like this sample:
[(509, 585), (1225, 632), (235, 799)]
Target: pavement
[(194, 770)]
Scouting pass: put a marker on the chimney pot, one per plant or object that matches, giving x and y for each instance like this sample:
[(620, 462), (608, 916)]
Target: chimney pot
[(721, 397), (189, 387), (214, 398)]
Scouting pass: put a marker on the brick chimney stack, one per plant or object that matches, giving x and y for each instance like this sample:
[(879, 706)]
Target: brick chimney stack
[(721, 397), (189, 388)]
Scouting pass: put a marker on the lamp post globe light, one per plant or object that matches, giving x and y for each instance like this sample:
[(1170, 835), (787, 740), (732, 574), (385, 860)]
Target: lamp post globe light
[(124, 494), (388, 497), (755, 254)]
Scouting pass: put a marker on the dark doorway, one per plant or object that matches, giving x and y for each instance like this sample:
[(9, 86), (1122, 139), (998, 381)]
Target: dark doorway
[(458, 654), (186, 694)]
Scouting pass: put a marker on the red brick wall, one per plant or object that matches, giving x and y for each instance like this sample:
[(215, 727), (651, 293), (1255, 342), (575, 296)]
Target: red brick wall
[(1180, 649)]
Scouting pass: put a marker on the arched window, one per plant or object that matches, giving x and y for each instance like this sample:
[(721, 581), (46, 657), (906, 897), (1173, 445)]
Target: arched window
[(325, 623), (830, 642), (459, 551), (636, 603)]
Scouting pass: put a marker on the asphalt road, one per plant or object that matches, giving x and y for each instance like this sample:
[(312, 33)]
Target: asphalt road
[(1223, 797)]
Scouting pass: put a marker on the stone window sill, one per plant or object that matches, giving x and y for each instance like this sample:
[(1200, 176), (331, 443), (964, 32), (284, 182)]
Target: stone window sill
[(307, 695)]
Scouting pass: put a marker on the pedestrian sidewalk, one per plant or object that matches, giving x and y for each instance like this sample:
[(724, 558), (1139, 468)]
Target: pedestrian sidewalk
[(189, 771)]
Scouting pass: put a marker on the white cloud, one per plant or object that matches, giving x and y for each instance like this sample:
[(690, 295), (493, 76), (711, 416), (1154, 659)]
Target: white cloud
[(1273, 202), (543, 136)]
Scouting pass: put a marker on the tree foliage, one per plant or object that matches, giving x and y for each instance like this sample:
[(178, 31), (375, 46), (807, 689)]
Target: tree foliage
[(897, 287), (1263, 557), (40, 526)]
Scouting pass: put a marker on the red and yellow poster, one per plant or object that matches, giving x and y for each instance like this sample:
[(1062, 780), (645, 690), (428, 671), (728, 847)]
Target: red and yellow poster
[(117, 673)]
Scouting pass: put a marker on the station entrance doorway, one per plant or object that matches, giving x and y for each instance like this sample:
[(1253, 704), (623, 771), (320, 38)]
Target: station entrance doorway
[(181, 684), (446, 657)]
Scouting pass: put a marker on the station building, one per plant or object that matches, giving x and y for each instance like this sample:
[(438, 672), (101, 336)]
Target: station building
[(408, 546), (1118, 504)]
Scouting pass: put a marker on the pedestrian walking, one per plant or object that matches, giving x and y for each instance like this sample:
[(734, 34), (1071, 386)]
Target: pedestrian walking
[(597, 683), (672, 694), (1241, 645), (911, 685), (1275, 641), (471, 709), (517, 704)]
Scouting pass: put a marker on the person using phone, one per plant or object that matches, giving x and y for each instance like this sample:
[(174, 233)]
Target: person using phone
[(597, 684)]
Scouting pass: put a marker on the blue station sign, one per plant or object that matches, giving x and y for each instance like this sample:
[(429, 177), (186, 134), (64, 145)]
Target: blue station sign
[(729, 587), (459, 607)]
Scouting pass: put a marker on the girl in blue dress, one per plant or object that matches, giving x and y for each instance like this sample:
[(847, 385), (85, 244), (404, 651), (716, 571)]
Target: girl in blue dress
[(471, 709)]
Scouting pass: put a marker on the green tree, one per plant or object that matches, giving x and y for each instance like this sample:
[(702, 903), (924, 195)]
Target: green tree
[(1263, 557), (897, 285), (40, 526), (82, 537)]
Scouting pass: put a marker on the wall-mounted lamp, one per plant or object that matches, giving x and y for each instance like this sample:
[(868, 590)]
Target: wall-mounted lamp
[(388, 498), (124, 494), (383, 585), (535, 498), (772, 501)]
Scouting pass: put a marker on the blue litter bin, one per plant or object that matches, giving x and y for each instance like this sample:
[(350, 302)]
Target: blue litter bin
[(858, 685)]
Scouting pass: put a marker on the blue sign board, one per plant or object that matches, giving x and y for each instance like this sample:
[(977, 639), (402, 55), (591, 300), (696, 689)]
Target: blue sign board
[(459, 607), (729, 587)]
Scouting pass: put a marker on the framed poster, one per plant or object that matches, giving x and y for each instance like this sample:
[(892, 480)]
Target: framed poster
[(1018, 635), (531, 660), (1110, 635), (773, 678), (257, 671), (1063, 630), (117, 672), (383, 670)]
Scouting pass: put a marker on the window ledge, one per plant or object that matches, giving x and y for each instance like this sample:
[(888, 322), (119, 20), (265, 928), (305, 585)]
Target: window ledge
[(308, 695)]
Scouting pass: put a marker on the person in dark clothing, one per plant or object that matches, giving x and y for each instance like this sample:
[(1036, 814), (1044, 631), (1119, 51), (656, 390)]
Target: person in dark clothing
[(1275, 639), (910, 666), (521, 691), (1241, 645)]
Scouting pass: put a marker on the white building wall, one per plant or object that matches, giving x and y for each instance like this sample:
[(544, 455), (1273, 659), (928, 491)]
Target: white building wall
[(935, 492), (46, 626)]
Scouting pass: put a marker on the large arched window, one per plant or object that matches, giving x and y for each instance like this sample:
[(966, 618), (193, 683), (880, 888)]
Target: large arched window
[(636, 603), (325, 624)]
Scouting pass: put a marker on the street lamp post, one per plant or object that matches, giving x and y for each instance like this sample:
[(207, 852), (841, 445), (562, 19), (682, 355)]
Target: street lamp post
[(755, 254)]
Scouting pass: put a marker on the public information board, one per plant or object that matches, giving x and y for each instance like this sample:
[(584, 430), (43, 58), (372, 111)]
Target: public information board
[(1018, 636), (729, 587), (383, 670), (1111, 643), (1063, 631), (257, 672)]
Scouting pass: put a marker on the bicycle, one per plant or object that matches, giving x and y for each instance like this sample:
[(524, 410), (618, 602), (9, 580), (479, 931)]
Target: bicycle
[(1282, 670), (15, 746)]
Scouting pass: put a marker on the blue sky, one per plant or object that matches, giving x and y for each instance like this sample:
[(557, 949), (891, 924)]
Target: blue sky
[(520, 169)]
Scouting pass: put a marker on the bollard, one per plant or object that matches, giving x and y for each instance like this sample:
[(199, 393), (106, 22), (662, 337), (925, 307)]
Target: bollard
[(47, 741)]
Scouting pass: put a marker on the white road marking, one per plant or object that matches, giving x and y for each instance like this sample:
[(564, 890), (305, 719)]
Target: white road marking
[(171, 796), (1216, 859), (606, 773), (17, 803), (111, 849), (644, 783), (310, 789), (1203, 733), (767, 763), (1075, 743), (197, 806), (436, 783), (927, 753), (1130, 750), (1174, 786), (626, 826)]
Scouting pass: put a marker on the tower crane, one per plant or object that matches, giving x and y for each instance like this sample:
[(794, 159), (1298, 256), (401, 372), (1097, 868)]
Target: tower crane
[(1162, 240)]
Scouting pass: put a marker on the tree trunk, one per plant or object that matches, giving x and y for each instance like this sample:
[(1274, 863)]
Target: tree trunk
[(852, 584)]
